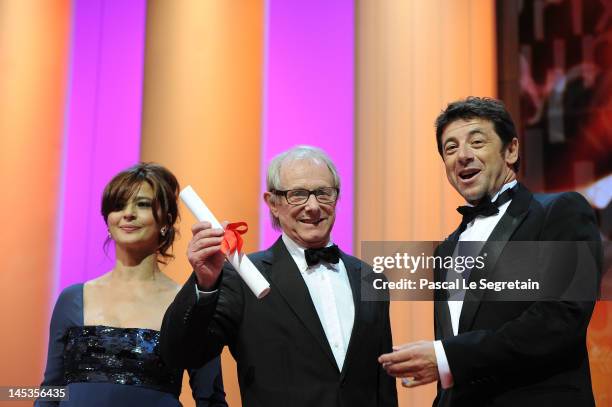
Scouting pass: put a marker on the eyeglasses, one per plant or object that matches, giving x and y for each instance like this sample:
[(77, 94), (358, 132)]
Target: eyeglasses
[(327, 195)]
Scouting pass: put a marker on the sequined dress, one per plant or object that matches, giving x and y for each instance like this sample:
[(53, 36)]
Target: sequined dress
[(109, 366)]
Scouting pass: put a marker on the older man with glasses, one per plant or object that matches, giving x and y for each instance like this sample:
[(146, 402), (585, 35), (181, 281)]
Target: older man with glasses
[(311, 341)]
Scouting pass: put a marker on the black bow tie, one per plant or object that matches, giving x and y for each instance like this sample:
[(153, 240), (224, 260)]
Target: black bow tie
[(484, 208), (330, 254)]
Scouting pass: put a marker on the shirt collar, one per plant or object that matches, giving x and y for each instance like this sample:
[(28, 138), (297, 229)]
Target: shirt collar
[(297, 253), (508, 185), (504, 187)]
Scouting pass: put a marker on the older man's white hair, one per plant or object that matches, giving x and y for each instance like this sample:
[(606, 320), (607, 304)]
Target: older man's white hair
[(297, 153)]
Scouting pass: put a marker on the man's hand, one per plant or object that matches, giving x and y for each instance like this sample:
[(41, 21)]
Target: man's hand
[(416, 360), (204, 254)]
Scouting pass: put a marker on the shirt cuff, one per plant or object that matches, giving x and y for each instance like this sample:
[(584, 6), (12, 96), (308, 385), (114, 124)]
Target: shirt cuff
[(201, 295), (446, 377)]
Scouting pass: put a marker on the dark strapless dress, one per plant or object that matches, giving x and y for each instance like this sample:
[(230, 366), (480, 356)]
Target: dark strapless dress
[(102, 354), (110, 366)]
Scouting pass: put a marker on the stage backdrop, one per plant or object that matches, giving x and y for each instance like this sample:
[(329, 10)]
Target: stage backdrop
[(555, 65)]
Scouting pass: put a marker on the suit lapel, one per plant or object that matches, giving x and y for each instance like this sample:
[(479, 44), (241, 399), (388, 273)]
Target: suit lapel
[(501, 234), (353, 270), (287, 280), (444, 327)]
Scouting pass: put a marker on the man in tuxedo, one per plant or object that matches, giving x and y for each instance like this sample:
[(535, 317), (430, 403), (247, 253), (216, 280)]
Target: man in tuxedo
[(311, 341), (505, 353)]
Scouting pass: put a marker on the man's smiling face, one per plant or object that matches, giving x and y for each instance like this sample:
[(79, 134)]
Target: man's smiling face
[(474, 160), (309, 224)]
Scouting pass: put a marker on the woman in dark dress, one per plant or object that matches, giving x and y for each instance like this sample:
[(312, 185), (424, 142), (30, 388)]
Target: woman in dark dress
[(103, 341)]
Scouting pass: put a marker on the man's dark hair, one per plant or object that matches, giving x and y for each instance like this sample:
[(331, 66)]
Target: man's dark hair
[(474, 107)]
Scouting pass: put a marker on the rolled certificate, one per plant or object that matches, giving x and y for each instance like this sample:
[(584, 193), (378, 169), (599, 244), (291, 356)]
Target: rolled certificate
[(245, 267)]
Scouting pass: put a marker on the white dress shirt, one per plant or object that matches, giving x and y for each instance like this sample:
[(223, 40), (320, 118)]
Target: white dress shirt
[(477, 230), (330, 291)]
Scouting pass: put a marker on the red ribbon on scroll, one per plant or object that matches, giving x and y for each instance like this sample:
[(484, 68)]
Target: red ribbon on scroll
[(232, 239)]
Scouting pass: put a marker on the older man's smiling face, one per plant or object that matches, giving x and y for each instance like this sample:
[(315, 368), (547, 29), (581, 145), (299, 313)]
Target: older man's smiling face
[(309, 224), (475, 163)]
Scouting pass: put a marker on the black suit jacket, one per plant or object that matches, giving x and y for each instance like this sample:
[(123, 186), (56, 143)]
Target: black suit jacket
[(278, 342), (523, 353)]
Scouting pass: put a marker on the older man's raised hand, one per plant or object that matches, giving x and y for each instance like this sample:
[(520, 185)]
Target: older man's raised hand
[(204, 254)]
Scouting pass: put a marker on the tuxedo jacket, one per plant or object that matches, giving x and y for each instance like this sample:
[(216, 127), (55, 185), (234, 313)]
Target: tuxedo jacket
[(282, 354), (523, 353)]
